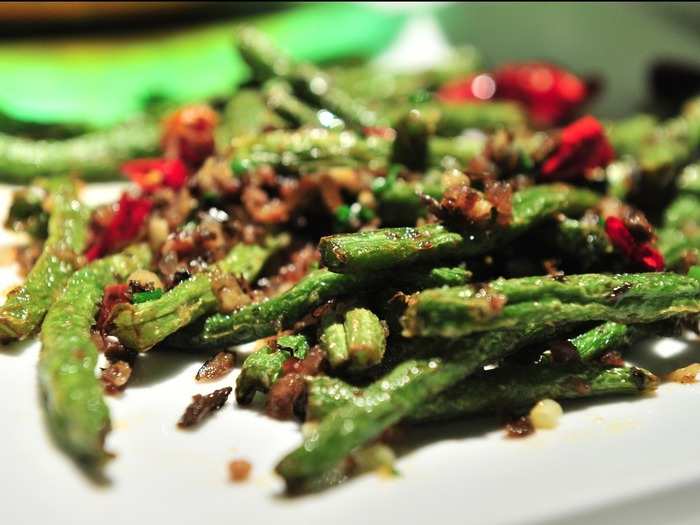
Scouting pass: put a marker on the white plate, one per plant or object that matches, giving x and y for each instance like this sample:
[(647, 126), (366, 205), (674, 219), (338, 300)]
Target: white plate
[(626, 461), (631, 460)]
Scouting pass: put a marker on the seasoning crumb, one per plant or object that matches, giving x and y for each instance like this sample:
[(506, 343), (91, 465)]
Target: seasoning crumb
[(115, 377), (216, 367), (239, 470), (685, 375), (519, 427), (202, 406)]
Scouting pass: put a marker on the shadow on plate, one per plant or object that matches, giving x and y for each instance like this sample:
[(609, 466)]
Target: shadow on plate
[(160, 365), (16, 348)]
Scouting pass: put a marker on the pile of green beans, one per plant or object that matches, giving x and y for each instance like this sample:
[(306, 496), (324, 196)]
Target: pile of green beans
[(411, 317)]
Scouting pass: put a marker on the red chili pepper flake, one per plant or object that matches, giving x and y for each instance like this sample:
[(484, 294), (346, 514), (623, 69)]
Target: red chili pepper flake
[(549, 93), (381, 132), (641, 253), (583, 146), (114, 294), (189, 134), (468, 89), (129, 215), (151, 174)]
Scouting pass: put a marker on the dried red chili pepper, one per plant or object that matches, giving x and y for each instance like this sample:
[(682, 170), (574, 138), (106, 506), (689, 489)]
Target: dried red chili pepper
[(188, 134), (475, 87), (151, 174), (129, 215), (549, 93), (114, 294), (641, 253), (583, 146)]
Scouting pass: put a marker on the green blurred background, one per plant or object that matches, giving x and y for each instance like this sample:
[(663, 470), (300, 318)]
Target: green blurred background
[(98, 64)]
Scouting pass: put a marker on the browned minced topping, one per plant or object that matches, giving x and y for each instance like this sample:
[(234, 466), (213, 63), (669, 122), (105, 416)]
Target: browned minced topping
[(239, 470), (564, 352), (114, 350), (202, 406), (300, 261), (311, 365), (502, 152), (262, 207), (313, 317), (190, 251), (215, 176), (115, 377), (465, 207), (332, 182), (286, 397), (519, 427), (500, 194), (270, 198), (231, 292), (174, 207), (216, 367)]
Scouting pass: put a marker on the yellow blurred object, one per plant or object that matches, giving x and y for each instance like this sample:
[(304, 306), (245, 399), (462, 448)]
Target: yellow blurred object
[(77, 11)]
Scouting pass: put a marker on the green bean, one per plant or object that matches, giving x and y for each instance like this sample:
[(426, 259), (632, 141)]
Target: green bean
[(255, 321), (679, 236), (389, 247), (141, 326), (605, 337), (391, 398), (246, 114), (315, 86), (310, 148), (628, 135), (95, 156), (625, 298), (26, 305), (296, 344), (586, 244), (259, 372), (507, 388), (309, 82), (410, 146), (258, 320), (366, 339), (452, 119), (333, 340), (76, 412), (421, 279), (375, 85), (279, 97), (41, 130)]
